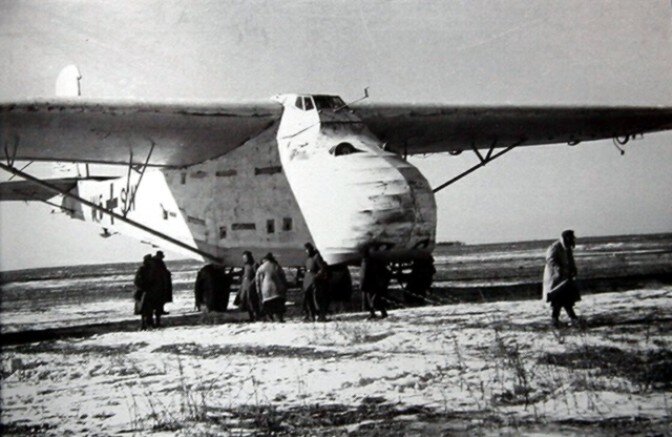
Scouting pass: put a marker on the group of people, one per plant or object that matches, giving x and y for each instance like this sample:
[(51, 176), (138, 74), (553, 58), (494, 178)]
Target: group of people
[(263, 289), (154, 288)]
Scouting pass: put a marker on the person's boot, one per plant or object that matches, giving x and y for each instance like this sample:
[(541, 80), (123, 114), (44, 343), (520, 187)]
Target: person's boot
[(556, 323), (383, 314)]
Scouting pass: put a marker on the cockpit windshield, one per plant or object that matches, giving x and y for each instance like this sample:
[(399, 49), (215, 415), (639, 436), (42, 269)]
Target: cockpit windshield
[(328, 102)]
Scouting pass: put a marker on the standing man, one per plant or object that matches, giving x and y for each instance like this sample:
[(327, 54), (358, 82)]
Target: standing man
[(559, 277), (374, 278), (272, 287), (144, 294), (249, 298), (315, 285), (164, 283)]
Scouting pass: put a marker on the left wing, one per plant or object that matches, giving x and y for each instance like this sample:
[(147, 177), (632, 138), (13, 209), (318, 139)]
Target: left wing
[(111, 132), (415, 129)]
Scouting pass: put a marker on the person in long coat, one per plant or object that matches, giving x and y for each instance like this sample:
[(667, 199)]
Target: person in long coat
[(340, 287), (163, 282), (212, 288), (145, 294), (315, 285), (272, 287), (559, 285), (374, 279), (249, 298)]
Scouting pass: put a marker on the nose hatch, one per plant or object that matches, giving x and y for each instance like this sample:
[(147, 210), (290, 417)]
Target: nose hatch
[(400, 211)]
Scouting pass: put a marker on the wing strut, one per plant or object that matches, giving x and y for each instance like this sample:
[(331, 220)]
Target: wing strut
[(99, 208), (484, 160), (140, 170)]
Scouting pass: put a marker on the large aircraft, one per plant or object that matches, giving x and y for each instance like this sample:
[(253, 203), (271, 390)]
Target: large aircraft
[(210, 180)]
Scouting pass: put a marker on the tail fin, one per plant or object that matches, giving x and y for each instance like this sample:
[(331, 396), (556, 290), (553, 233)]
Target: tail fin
[(67, 82), (67, 85)]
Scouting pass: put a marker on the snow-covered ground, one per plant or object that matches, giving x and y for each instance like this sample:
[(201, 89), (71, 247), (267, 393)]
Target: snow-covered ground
[(429, 369)]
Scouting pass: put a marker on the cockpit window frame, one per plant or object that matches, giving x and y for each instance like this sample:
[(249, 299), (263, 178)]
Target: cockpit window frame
[(308, 104), (323, 102)]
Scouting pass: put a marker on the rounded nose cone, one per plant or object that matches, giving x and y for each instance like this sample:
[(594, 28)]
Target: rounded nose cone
[(393, 211), (366, 200)]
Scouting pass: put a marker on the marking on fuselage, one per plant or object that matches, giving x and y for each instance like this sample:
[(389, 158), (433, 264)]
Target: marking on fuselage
[(200, 174), (112, 202)]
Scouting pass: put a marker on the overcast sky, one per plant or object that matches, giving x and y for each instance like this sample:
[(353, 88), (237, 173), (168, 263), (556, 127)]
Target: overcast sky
[(542, 52)]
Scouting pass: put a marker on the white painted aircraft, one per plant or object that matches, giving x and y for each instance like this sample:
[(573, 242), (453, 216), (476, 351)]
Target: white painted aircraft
[(211, 180)]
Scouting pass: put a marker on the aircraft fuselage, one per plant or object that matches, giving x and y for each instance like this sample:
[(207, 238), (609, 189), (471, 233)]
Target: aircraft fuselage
[(317, 175)]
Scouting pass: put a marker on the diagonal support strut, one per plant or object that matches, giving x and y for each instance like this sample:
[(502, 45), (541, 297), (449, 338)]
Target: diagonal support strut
[(487, 159)]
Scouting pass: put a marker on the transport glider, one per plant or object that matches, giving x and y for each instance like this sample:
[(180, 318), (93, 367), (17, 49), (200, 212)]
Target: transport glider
[(211, 180)]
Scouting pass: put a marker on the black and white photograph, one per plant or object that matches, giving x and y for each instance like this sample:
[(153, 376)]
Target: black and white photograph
[(335, 217)]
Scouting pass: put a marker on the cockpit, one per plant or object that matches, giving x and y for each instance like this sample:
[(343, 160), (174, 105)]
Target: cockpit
[(319, 102)]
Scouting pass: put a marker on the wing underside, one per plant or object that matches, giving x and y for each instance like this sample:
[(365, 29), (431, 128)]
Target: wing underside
[(177, 135), (416, 129)]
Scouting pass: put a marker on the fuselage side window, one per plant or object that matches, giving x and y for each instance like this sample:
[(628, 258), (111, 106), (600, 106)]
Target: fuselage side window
[(299, 103), (287, 224)]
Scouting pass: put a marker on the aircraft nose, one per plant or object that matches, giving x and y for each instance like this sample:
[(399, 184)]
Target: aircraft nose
[(397, 211), (367, 200)]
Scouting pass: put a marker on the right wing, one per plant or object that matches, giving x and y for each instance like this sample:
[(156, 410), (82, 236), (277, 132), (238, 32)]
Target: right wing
[(80, 130), (419, 128)]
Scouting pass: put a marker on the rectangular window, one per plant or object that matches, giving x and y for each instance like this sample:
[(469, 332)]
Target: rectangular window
[(222, 232), (226, 173), (267, 170), (287, 224), (195, 220), (270, 226), (243, 226), (308, 103)]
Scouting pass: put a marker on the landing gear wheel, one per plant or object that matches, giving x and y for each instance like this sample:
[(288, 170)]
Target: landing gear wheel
[(419, 282)]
